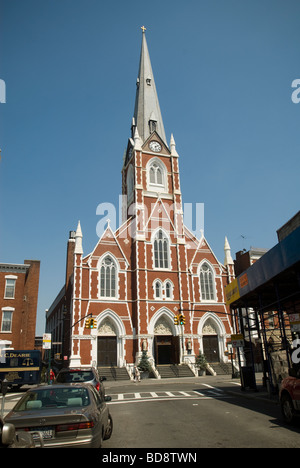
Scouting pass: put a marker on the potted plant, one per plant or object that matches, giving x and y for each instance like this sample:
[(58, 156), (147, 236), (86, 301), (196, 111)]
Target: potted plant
[(144, 366), (201, 363)]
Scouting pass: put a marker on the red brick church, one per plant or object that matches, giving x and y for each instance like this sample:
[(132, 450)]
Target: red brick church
[(152, 268)]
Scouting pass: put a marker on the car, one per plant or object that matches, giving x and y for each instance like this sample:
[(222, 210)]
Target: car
[(66, 415), (88, 375), (289, 396)]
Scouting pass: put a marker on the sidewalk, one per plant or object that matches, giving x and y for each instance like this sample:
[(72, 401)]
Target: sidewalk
[(261, 393)]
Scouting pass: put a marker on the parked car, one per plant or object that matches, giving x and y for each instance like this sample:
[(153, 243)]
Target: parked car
[(290, 397), (69, 415), (87, 375)]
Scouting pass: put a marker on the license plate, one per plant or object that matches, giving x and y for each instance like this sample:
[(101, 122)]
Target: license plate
[(46, 432)]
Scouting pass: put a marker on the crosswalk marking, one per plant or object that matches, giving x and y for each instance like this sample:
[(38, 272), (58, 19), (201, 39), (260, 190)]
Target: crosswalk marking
[(199, 393), (213, 388), (207, 392)]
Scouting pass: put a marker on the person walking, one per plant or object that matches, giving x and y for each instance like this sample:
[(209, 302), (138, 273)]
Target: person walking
[(137, 375)]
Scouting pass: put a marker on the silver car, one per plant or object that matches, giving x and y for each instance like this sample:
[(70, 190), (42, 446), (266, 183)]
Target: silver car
[(70, 415), (87, 375)]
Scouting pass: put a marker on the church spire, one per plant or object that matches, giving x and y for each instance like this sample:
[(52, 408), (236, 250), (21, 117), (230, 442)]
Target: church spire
[(147, 115)]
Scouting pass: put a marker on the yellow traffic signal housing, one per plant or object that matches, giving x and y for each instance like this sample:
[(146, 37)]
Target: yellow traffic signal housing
[(182, 319), (88, 323), (176, 320), (93, 323)]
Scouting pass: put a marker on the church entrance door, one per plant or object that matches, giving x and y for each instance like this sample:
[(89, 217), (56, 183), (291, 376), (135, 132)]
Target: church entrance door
[(211, 348), (166, 349), (107, 351)]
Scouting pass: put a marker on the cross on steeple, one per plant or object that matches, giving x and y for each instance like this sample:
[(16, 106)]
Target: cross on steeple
[(143, 29)]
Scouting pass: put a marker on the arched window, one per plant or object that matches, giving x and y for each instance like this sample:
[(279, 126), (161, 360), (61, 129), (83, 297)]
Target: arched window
[(168, 290), (207, 283), (161, 250), (107, 278), (158, 289), (157, 176)]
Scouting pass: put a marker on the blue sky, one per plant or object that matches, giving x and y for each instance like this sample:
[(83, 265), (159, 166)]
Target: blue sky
[(223, 71)]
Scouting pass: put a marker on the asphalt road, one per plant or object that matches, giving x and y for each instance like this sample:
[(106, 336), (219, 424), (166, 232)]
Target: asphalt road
[(195, 413)]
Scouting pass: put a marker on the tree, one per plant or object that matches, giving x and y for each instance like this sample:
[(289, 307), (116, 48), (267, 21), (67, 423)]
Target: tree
[(201, 362), (144, 364)]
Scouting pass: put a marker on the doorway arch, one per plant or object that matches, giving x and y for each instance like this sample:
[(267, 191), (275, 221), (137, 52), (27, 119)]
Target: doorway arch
[(212, 337), (110, 340), (166, 344)]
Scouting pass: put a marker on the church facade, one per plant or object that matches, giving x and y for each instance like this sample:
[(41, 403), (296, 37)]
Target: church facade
[(139, 278)]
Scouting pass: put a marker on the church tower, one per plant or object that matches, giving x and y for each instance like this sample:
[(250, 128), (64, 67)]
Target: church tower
[(153, 203), (141, 277)]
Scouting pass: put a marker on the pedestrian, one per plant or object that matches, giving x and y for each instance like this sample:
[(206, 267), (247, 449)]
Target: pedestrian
[(137, 375), (52, 376)]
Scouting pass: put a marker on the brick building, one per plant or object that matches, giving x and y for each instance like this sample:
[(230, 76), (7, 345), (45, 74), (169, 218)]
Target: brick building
[(139, 277), (19, 285)]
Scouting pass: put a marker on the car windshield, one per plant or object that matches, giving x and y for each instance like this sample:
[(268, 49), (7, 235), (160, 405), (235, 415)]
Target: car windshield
[(53, 397), (75, 376)]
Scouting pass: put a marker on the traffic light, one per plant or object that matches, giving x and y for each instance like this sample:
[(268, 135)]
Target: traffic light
[(182, 319), (176, 320), (93, 323), (88, 323)]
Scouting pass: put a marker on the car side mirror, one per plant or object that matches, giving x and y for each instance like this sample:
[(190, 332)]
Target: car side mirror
[(107, 398), (8, 434), (103, 379)]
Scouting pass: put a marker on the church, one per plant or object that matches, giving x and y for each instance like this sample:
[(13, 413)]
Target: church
[(141, 277)]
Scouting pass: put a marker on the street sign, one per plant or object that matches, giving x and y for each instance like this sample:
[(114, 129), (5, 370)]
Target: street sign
[(232, 292), (237, 341), (47, 341)]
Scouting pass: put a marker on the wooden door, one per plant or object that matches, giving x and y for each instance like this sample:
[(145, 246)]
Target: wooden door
[(107, 351), (211, 348)]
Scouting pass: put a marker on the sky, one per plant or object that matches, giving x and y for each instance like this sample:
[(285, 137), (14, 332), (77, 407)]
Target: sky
[(223, 70)]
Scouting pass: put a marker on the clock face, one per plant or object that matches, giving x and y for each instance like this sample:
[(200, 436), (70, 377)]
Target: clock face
[(155, 146)]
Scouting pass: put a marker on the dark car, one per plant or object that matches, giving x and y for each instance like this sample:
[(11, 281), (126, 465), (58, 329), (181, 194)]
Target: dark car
[(290, 397), (88, 375), (70, 415)]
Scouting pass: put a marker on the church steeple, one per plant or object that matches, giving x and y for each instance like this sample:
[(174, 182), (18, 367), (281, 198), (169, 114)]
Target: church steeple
[(147, 115)]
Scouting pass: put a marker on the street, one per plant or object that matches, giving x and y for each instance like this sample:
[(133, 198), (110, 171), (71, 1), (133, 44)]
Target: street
[(195, 413), (206, 412)]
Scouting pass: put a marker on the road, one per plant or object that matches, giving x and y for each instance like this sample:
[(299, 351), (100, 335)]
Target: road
[(195, 413), (205, 412)]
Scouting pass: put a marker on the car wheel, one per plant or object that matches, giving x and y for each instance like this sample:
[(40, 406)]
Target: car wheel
[(109, 428), (287, 409)]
